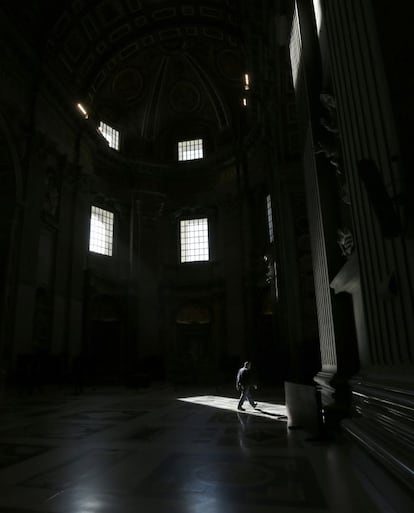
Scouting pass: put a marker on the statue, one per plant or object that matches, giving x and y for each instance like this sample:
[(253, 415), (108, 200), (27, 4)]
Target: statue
[(345, 241)]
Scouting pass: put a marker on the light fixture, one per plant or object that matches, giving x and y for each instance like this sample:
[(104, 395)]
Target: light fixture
[(246, 82), (244, 101), (82, 109)]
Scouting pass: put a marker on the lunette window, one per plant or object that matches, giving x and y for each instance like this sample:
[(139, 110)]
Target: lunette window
[(190, 150), (110, 134), (317, 8), (101, 233), (194, 240)]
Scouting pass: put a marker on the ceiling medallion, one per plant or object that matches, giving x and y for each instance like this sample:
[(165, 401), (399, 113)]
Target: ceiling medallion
[(184, 97), (128, 85), (228, 64)]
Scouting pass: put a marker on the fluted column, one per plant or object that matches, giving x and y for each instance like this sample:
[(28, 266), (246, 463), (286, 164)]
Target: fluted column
[(320, 266), (367, 130), (382, 391)]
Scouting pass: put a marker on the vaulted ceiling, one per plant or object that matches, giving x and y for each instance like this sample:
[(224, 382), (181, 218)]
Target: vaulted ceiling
[(157, 70)]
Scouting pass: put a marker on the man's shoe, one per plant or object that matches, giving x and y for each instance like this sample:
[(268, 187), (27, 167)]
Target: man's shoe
[(240, 408), (254, 405)]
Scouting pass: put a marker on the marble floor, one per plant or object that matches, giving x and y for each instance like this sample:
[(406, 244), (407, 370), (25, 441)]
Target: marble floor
[(167, 450)]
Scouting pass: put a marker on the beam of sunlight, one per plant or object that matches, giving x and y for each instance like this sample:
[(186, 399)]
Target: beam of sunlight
[(276, 411)]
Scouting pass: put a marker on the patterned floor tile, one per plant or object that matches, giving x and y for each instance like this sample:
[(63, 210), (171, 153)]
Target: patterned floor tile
[(243, 480), (77, 471), (68, 430), (105, 415), (11, 454)]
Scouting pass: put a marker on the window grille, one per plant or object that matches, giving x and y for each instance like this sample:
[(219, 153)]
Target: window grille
[(190, 150), (101, 231), (194, 240), (110, 134)]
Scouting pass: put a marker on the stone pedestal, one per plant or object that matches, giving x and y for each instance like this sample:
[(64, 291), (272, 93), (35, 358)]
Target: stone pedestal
[(348, 281)]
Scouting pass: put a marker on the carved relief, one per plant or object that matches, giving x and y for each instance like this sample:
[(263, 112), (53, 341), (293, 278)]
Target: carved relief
[(51, 199), (193, 312), (270, 273), (345, 241), (329, 145), (329, 142), (328, 136)]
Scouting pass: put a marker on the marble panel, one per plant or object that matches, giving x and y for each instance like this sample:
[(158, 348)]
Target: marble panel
[(230, 417), (256, 437), (147, 433), (237, 479), (41, 413), (18, 510), (77, 471), (177, 415), (105, 415), (67, 430), (11, 454)]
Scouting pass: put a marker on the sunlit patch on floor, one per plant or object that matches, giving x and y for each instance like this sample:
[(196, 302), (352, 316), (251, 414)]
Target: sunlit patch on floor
[(276, 411)]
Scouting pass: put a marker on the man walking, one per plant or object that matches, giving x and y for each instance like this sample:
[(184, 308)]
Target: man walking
[(243, 385)]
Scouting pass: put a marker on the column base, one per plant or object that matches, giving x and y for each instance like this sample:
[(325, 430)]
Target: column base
[(335, 398)]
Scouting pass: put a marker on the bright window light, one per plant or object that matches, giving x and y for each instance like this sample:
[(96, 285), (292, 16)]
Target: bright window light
[(317, 8), (269, 217), (295, 46), (194, 240), (244, 102), (101, 231), (110, 134), (190, 150)]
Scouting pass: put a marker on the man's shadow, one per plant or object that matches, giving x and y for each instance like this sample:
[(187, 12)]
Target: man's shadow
[(277, 416)]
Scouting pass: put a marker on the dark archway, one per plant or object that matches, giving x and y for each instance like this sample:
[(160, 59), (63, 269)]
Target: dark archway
[(10, 201)]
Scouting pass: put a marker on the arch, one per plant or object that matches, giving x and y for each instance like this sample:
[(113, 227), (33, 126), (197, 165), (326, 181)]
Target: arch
[(11, 197), (12, 164)]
